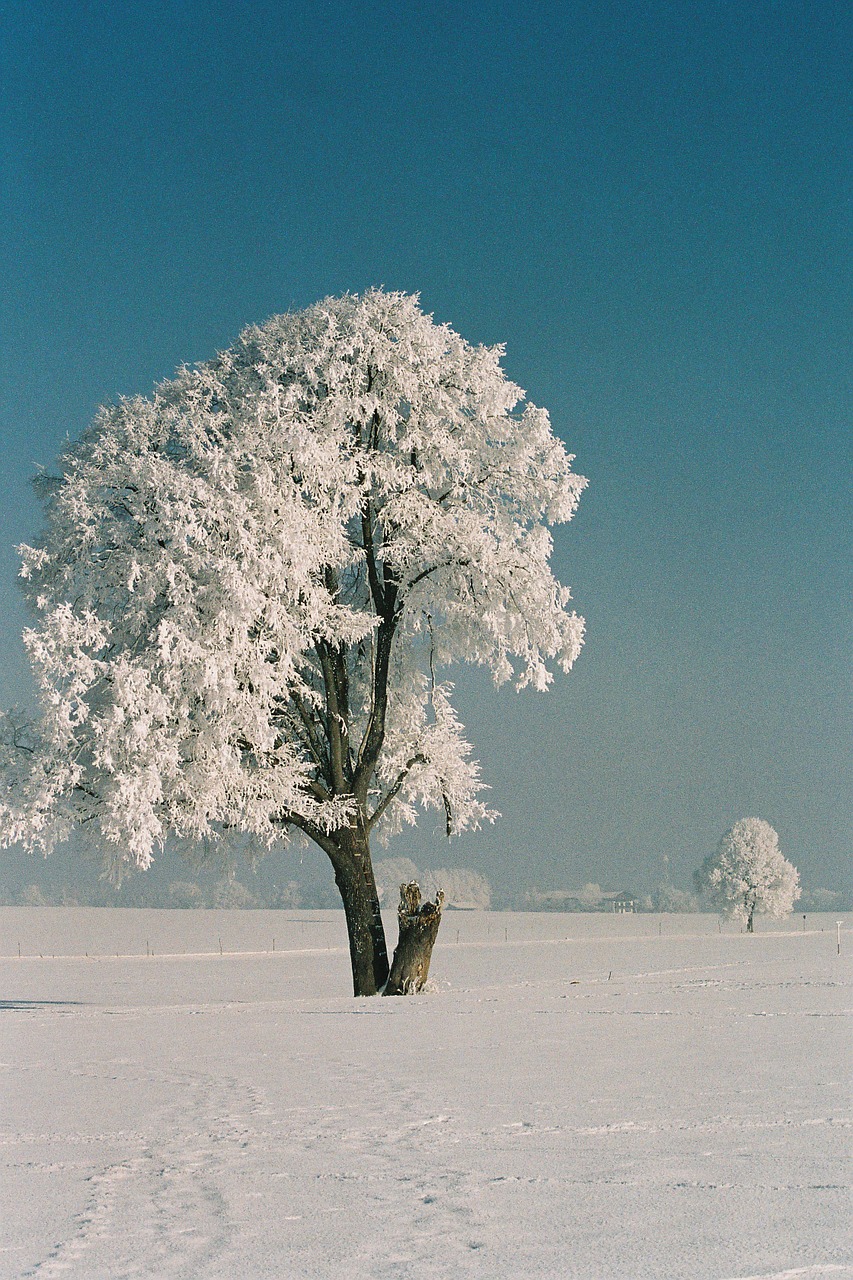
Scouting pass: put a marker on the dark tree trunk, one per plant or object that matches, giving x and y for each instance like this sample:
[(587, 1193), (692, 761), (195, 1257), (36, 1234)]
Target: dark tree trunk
[(357, 886), (418, 930), (749, 926), (349, 852)]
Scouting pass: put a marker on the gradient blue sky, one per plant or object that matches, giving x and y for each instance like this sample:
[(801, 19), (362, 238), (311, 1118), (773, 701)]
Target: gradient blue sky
[(649, 203)]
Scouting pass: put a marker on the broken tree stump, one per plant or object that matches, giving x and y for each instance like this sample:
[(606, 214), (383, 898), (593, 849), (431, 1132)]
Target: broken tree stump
[(418, 929)]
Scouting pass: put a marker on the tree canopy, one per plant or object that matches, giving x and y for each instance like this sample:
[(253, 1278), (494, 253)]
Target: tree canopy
[(747, 874), (251, 585)]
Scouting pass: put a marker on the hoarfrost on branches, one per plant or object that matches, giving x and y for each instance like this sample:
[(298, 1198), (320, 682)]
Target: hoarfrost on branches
[(748, 874), (251, 586), (462, 887)]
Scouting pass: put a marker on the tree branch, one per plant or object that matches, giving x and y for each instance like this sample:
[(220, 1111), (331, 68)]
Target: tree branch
[(374, 734), (317, 790), (376, 590), (395, 790), (314, 743), (310, 829), (334, 718), (425, 573)]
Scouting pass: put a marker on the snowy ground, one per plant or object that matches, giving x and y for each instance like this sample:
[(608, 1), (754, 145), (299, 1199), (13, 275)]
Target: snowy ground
[(581, 1096)]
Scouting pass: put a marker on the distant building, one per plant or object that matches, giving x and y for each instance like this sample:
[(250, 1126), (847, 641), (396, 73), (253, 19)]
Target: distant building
[(553, 900), (621, 902)]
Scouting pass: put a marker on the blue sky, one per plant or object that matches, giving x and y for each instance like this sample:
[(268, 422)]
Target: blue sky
[(648, 203)]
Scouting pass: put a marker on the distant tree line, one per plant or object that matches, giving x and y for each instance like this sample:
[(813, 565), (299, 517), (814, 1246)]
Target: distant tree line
[(746, 875), (591, 897), (233, 894), (661, 900), (463, 889)]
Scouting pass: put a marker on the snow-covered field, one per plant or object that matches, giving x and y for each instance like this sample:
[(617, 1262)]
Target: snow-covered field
[(580, 1096)]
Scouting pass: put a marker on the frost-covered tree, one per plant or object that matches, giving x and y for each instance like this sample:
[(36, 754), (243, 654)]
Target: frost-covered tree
[(462, 887), (184, 895), (251, 585), (590, 896), (748, 874), (231, 895), (390, 873), (666, 898), (825, 900)]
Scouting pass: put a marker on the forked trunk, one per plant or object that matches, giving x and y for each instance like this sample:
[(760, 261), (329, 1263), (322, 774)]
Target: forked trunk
[(418, 930), (418, 922)]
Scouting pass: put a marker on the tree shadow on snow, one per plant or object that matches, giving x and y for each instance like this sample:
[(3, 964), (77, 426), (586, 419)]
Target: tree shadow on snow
[(31, 1005)]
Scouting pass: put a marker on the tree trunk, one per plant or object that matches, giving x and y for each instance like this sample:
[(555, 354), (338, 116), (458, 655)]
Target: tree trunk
[(418, 930), (357, 887), (749, 927)]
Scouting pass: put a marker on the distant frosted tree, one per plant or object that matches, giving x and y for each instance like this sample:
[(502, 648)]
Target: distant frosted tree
[(462, 887), (590, 896), (667, 898), (32, 896), (748, 874), (390, 873), (230, 894), (251, 584), (825, 900), (185, 894), (288, 896)]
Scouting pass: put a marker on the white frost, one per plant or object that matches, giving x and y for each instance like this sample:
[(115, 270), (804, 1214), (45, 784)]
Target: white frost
[(209, 550)]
